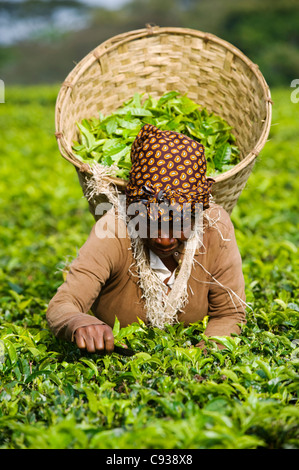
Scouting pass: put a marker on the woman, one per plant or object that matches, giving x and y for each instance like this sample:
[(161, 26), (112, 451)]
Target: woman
[(173, 275)]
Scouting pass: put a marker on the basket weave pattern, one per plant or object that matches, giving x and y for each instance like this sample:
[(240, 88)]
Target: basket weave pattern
[(153, 61)]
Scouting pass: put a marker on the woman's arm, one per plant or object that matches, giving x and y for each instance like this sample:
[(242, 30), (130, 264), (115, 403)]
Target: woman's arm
[(227, 289), (98, 259)]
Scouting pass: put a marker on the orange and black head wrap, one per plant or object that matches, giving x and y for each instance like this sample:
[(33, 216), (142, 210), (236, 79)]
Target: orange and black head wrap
[(167, 166)]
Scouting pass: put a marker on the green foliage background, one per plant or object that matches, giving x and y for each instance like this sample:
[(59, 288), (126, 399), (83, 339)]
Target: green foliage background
[(169, 394), (266, 31)]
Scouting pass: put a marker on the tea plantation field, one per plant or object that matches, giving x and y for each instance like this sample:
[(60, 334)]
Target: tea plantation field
[(169, 395)]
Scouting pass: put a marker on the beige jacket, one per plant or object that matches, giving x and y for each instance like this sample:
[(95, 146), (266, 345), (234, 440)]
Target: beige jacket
[(103, 279)]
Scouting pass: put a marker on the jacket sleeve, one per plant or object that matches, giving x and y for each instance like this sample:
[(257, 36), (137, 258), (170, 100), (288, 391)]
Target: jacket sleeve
[(97, 260), (227, 287)]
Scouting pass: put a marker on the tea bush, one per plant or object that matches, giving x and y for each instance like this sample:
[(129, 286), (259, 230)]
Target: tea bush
[(169, 394)]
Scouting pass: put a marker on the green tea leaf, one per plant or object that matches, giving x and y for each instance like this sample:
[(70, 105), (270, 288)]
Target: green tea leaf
[(90, 364), (171, 112), (133, 112), (222, 156), (11, 350), (116, 327), (111, 125), (166, 97), (88, 138)]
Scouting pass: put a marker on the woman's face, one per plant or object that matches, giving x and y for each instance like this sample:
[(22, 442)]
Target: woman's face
[(165, 243)]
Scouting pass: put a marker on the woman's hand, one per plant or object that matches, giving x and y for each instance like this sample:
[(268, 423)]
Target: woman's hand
[(95, 338)]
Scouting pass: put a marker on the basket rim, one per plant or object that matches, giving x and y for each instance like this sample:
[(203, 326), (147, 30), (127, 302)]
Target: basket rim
[(114, 42)]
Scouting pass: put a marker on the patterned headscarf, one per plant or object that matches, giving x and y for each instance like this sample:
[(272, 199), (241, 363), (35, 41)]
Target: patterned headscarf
[(167, 167)]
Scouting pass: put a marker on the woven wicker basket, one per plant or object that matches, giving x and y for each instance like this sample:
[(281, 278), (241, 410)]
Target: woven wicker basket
[(153, 61)]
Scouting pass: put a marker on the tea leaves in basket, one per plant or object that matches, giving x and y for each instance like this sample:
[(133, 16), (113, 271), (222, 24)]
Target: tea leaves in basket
[(108, 140)]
